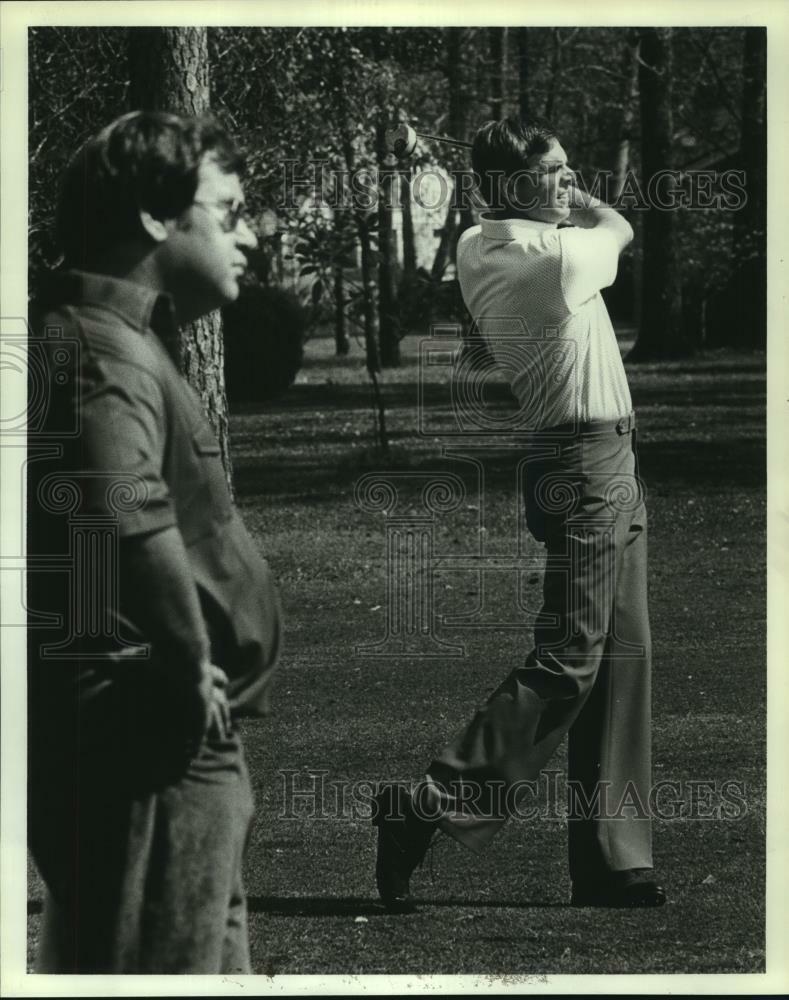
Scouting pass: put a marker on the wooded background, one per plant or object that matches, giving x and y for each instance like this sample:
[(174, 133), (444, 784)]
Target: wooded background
[(632, 102), (629, 101)]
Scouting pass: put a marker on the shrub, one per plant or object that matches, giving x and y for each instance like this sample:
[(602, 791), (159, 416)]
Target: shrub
[(423, 299), (264, 343)]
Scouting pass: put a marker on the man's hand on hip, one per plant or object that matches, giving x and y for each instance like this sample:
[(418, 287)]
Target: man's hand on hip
[(219, 724)]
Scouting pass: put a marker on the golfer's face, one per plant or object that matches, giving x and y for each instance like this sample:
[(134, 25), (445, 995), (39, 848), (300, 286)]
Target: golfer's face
[(208, 249), (544, 189)]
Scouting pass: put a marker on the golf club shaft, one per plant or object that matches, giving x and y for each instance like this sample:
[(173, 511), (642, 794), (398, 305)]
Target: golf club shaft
[(441, 138)]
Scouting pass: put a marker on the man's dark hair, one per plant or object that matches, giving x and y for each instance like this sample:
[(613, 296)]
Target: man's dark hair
[(503, 147), (146, 160)]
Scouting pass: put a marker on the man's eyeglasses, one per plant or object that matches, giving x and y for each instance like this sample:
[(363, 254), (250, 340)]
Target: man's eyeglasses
[(231, 213)]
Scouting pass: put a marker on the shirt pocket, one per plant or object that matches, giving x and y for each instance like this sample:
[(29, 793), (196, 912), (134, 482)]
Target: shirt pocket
[(204, 498)]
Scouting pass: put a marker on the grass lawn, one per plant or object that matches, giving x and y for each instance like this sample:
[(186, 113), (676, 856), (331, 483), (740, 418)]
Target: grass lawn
[(356, 718)]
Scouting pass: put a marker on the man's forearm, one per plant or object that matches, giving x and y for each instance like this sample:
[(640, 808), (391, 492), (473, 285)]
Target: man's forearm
[(160, 597), (588, 212), (159, 591)]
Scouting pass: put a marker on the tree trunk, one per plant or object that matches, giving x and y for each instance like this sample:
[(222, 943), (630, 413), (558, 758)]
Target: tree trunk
[(370, 316), (389, 333), (169, 71), (621, 152), (361, 222), (524, 98), (660, 333), (371, 342), (737, 312), (750, 227), (629, 282), (442, 256), (369, 312), (638, 267), (753, 138), (458, 123), (458, 113), (341, 342), (409, 243), (407, 287), (556, 73), (497, 38)]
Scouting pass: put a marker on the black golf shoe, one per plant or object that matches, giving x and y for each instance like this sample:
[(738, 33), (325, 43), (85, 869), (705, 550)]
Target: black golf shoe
[(635, 887), (403, 839)]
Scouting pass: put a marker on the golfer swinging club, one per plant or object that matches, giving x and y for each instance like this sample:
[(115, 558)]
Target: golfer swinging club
[(588, 674)]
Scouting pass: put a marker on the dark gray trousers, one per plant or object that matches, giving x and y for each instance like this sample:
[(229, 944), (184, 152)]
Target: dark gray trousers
[(149, 882)]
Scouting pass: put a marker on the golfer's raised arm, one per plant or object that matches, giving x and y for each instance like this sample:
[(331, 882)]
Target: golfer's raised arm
[(588, 212)]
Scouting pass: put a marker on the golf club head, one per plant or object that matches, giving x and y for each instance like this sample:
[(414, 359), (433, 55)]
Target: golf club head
[(401, 140)]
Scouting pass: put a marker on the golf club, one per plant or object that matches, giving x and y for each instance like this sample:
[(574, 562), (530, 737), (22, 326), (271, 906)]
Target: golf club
[(401, 140)]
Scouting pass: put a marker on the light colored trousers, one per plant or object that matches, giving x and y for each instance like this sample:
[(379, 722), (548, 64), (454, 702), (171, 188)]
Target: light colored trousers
[(588, 674)]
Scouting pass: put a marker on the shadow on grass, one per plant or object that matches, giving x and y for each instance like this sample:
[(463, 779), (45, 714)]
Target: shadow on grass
[(339, 396), (348, 906), (352, 906), (687, 465), (358, 906), (701, 427)]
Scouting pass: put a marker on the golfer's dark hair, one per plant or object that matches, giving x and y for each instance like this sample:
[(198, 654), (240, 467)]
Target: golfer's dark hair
[(145, 160), (503, 147)]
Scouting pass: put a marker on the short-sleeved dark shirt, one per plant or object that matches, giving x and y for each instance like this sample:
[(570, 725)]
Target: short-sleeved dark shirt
[(123, 448)]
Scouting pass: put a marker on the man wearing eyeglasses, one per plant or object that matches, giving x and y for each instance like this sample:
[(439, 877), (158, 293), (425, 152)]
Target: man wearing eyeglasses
[(164, 625)]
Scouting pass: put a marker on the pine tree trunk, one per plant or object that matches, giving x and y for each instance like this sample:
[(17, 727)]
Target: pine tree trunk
[(750, 226), (387, 254), (458, 112), (498, 49), (753, 144), (621, 153), (621, 156), (524, 98), (340, 336), (369, 311), (737, 312), (409, 242), (169, 71), (361, 221), (458, 123), (371, 341), (556, 74), (660, 333), (407, 289), (442, 256)]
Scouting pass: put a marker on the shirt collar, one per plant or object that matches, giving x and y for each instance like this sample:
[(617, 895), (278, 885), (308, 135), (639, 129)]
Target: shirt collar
[(142, 307), (510, 229)]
